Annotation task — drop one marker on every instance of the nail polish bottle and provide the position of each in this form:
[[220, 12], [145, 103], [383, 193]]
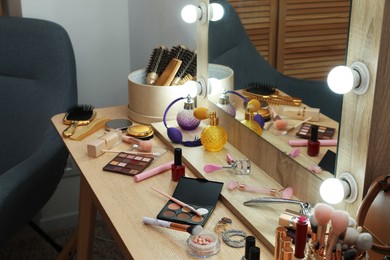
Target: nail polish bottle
[[313, 145], [177, 168], [250, 241]]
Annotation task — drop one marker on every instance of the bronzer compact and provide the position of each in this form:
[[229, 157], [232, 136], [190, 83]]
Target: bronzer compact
[[201, 194]]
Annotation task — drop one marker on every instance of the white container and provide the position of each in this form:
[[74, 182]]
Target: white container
[[147, 103]]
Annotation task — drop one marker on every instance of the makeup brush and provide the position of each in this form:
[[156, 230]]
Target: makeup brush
[[157, 63], [322, 214], [77, 115], [350, 235], [314, 226], [194, 230], [145, 146], [363, 243], [179, 202], [339, 223], [279, 123]]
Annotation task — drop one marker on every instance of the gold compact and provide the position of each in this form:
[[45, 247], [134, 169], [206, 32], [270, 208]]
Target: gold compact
[[140, 131], [265, 113]]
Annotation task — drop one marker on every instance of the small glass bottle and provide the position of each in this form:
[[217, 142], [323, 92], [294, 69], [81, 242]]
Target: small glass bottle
[[177, 168], [313, 145], [251, 123], [214, 136], [185, 117], [225, 105]]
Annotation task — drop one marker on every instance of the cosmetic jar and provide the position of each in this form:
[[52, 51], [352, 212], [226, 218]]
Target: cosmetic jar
[[198, 249]]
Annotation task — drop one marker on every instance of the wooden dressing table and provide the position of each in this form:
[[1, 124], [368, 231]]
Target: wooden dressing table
[[122, 203]]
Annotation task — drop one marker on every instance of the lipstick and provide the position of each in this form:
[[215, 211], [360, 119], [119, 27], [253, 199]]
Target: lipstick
[[301, 237], [177, 168]]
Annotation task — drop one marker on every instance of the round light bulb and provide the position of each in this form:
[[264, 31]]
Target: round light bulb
[[215, 86], [341, 79], [192, 88], [332, 191], [216, 12], [189, 13]]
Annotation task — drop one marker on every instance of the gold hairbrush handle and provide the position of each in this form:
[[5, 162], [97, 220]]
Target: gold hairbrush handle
[[69, 131]]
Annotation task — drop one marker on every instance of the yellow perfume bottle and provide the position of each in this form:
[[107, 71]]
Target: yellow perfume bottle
[[214, 136], [251, 123]]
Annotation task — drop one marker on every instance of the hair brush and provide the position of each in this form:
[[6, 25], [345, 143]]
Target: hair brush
[[269, 94], [187, 67], [77, 115], [157, 64]]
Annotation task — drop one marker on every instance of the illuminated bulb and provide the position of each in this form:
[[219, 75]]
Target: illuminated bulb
[[343, 79], [332, 191], [335, 190], [215, 86], [216, 12], [190, 13], [193, 88]]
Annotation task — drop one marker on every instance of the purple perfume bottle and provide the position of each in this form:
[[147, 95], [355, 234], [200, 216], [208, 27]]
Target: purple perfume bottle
[[185, 117]]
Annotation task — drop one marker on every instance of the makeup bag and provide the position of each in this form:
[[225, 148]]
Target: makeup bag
[[374, 213]]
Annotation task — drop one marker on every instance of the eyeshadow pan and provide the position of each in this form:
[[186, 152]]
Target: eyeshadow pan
[[174, 206], [169, 213], [197, 218], [128, 164], [183, 215]]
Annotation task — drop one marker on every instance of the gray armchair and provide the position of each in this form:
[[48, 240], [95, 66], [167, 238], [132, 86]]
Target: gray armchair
[[37, 81], [230, 45]]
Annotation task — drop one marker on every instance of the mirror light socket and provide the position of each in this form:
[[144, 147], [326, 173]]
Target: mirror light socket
[[334, 190]]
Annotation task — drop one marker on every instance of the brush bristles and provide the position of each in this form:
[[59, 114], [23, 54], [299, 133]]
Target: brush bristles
[[80, 112], [187, 65], [157, 62], [195, 230], [260, 88]]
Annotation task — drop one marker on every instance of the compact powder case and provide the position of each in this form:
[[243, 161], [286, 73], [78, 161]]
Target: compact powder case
[[118, 124], [140, 131], [198, 193]]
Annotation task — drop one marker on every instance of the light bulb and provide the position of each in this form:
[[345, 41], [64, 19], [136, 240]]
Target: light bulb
[[215, 86], [343, 79], [332, 191], [190, 13], [216, 12], [192, 87]]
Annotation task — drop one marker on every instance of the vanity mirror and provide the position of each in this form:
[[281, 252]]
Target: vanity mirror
[[230, 45]]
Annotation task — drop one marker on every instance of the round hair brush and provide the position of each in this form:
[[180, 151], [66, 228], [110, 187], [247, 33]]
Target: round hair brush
[[188, 66], [157, 64]]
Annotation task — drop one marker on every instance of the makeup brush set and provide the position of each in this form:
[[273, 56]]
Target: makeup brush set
[[171, 67]]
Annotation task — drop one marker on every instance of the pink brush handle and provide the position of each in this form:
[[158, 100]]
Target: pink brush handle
[[212, 167], [298, 143], [146, 174]]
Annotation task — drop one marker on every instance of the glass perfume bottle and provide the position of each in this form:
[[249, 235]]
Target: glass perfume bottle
[[224, 104], [185, 117], [214, 136], [251, 123]]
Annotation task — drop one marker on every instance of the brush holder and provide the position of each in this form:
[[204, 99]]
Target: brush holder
[[147, 103]]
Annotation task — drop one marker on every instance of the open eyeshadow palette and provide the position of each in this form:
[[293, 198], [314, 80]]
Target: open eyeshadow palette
[[198, 193], [129, 164], [324, 132]]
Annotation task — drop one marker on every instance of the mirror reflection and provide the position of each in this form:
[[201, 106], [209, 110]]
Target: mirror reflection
[[305, 42]]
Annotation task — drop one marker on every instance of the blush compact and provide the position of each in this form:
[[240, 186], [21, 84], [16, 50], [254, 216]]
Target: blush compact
[[198, 193]]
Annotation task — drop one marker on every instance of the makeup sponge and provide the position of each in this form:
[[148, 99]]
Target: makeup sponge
[[280, 124]]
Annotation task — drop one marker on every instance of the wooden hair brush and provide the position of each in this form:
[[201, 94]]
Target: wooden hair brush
[[78, 115]]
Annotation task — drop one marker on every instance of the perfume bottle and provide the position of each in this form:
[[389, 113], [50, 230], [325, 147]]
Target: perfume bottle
[[224, 104], [251, 123], [185, 117], [214, 136], [313, 145]]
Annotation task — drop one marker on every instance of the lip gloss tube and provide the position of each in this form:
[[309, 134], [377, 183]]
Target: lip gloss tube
[[159, 169]]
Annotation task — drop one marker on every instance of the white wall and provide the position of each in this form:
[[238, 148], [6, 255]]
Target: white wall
[[113, 38], [110, 38]]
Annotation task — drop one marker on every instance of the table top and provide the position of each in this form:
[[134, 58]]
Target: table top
[[122, 202]]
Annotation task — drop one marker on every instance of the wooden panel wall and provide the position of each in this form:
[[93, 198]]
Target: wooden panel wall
[[312, 36], [259, 18], [300, 38]]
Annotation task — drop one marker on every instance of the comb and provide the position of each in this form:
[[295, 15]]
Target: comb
[[86, 131], [269, 94]]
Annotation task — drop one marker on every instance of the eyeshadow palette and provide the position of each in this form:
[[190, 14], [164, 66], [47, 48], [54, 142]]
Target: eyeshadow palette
[[324, 132], [198, 193], [128, 164]]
